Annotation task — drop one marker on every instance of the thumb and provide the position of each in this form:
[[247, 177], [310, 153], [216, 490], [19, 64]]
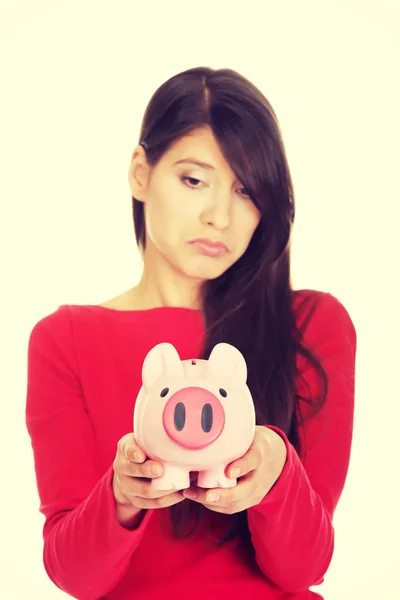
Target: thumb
[[130, 449]]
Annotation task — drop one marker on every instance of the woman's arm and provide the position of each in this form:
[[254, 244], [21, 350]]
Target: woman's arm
[[88, 539], [291, 528]]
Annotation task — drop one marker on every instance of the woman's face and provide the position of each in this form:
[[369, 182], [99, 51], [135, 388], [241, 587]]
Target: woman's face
[[185, 201]]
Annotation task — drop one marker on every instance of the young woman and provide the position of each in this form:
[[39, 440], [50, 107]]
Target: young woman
[[213, 209]]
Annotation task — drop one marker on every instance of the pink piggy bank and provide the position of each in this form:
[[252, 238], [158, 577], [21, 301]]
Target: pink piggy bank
[[194, 415]]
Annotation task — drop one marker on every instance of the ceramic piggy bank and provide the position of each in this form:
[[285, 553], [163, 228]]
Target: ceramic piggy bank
[[194, 415]]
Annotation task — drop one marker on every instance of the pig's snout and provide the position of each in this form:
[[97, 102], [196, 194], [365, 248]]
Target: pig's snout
[[193, 418]]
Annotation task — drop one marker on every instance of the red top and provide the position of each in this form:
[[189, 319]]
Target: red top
[[84, 372]]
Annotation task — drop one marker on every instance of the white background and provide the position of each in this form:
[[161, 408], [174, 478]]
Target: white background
[[75, 80]]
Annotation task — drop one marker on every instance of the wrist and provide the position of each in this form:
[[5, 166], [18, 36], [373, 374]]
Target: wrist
[[129, 516]]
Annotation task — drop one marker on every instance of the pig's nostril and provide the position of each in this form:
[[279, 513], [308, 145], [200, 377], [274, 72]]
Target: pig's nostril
[[193, 418], [179, 416], [207, 418]]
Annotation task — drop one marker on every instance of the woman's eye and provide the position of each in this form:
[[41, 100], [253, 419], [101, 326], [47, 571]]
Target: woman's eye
[[244, 192], [191, 179]]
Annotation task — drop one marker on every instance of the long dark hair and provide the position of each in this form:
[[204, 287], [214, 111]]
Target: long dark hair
[[250, 305]]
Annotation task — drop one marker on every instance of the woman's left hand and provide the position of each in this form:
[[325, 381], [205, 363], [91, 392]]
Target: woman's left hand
[[259, 469]]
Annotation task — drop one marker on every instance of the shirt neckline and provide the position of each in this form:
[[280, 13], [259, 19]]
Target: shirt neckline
[[154, 309]]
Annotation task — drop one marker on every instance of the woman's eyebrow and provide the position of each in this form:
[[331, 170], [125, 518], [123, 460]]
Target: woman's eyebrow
[[194, 161]]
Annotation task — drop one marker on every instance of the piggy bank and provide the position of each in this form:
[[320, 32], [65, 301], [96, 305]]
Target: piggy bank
[[194, 415]]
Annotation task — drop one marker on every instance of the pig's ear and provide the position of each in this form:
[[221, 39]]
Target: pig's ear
[[226, 361], [163, 359]]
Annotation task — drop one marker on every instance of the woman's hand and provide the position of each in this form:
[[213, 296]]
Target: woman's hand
[[258, 470], [131, 482]]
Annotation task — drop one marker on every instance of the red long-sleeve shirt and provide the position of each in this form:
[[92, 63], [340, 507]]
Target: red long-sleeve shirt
[[84, 372]]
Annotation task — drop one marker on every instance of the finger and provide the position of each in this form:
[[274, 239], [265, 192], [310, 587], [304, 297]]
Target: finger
[[134, 459], [247, 463], [162, 502], [135, 486], [223, 497], [225, 504], [130, 450], [150, 469]]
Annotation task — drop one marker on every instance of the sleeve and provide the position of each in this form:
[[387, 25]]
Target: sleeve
[[291, 528], [86, 551]]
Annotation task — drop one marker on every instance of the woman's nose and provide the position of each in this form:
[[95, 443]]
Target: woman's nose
[[218, 212]]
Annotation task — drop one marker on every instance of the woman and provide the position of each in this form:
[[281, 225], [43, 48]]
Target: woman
[[213, 208]]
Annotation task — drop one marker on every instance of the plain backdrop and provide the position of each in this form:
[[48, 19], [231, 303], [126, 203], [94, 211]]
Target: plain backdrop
[[75, 79]]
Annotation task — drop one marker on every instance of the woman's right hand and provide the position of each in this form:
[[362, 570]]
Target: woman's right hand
[[132, 482]]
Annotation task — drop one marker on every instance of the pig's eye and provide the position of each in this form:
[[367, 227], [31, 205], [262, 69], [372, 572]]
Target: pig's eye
[[164, 392], [223, 392]]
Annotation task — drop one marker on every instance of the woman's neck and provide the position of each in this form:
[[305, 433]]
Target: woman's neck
[[156, 289]]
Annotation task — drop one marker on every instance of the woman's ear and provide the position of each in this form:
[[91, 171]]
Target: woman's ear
[[138, 175]]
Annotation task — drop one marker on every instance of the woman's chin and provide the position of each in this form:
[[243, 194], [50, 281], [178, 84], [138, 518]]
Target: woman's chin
[[205, 273], [204, 268]]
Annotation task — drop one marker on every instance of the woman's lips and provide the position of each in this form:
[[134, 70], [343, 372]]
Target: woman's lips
[[209, 247]]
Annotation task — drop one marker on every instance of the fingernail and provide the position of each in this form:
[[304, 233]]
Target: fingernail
[[234, 473], [136, 456], [213, 497], [155, 469], [190, 494]]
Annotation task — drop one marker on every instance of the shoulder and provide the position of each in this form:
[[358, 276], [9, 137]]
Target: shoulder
[[54, 329], [58, 320], [320, 314], [323, 304], [51, 347]]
